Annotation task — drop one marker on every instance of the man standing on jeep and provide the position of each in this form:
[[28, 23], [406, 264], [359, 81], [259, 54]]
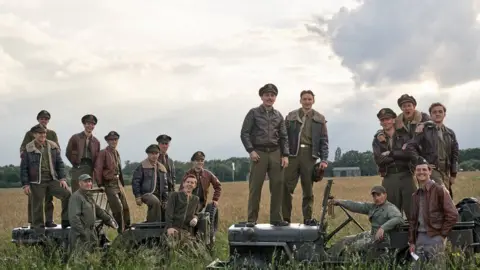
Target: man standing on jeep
[[439, 146], [264, 136], [307, 141], [82, 150], [150, 184], [43, 117], [42, 170], [163, 141], [393, 162], [433, 217], [410, 119], [108, 172], [383, 215], [205, 178]]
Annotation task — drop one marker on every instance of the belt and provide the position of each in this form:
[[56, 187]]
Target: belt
[[397, 169], [305, 145], [267, 149]]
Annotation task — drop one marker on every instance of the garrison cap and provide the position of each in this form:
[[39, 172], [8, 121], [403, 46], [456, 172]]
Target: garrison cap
[[163, 138], [38, 129], [89, 118], [198, 155], [386, 113], [112, 134], [84, 177], [406, 98], [378, 189], [421, 161], [152, 148], [43, 113], [269, 87]]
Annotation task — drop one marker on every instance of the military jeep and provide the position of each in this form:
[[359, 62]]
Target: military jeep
[[264, 244], [57, 237]]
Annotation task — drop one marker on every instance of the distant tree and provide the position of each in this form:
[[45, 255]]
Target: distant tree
[[338, 154]]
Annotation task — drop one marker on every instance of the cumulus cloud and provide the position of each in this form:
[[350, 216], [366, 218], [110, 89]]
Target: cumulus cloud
[[404, 41]]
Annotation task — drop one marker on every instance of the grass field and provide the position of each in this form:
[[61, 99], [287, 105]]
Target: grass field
[[233, 208]]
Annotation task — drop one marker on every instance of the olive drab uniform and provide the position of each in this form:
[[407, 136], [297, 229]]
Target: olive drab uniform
[[109, 175], [263, 131], [386, 216], [308, 141], [49, 207], [394, 167], [181, 209], [82, 213]]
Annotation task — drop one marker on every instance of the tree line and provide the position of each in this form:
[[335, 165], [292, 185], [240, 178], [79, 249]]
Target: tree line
[[469, 160]]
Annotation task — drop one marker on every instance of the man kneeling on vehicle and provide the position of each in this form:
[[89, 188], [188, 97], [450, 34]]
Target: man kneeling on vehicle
[[182, 207], [383, 215], [150, 185], [82, 213]]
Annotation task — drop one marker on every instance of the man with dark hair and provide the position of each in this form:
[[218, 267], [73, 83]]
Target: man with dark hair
[[43, 118], [264, 137], [393, 162], [163, 141], [307, 141], [42, 171], [82, 150], [108, 173], [150, 184], [432, 219], [205, 178], [439, 146]]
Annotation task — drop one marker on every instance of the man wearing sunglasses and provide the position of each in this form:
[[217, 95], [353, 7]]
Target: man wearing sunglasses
[[383, 216]]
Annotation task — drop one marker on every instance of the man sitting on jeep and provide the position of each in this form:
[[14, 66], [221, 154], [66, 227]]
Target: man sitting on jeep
[[383, 215], [182, 207]]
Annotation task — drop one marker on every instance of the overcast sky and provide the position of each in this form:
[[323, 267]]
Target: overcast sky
[[192, 69]]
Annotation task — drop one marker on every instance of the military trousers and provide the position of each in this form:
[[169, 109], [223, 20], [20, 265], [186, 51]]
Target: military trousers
[[400, 186], [75, 172], [48, 208], [118, 203], [269, 163], [299, 166], [154, 212], [38, 193], [442, 178], [431, 251]]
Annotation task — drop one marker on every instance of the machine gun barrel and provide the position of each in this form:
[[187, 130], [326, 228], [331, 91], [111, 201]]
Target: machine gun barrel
[[326, 196]]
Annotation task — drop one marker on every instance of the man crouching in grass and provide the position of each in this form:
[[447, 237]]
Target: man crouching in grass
[[383, 215], [182, 207]]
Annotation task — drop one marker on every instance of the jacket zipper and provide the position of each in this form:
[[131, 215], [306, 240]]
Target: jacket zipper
[[186, 209]]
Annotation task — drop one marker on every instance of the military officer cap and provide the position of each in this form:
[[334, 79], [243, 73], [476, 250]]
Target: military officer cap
[[163, 138], [386, 113], [152, 148], [197, 156], [84, 177], [378, 189], [112, 135], [43, 113], [268, 88], [38, 129], [89, 118], [406, 98]]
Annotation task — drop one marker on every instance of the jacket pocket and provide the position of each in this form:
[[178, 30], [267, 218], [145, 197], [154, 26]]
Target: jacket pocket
[[436, 220]]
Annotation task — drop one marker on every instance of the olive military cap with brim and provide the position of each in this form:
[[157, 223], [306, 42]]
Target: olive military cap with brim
[[405, 98], [198, 156], [38, 129], [378, 189], [43, 113], [386, 113], [112, 135], [89, 118], [268, 88], [84, 177], [152, 148], [163, 138]]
